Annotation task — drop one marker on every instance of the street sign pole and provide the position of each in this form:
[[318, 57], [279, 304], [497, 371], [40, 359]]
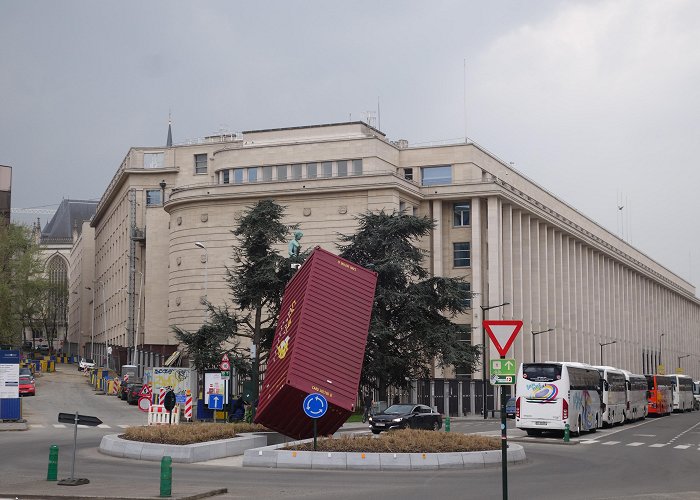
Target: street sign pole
[[75, 445], [504, 444]]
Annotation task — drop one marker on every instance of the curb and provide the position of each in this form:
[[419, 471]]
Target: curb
[[206, 494], [276, 457], [114, 446]]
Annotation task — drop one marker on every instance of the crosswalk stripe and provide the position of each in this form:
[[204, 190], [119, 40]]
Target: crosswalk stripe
[[635, 444], [589, 441], [104, 426], [59, 426], [609, 443], [682, 446], [38, 426], [124, 426], [657, 445]]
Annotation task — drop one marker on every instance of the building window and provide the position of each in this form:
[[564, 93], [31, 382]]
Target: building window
[[408, 174], [465, 294], [296, 171], [462, 254], [225, 177], [464, 334], [253, 174], [357, 167], [281, 172], [200, 163], [342, 168], [462, 213], [238, 176], [153, 198], [311, 170], [402, 207], [326, 169], [267, 173], [153, 160], [436, 175]]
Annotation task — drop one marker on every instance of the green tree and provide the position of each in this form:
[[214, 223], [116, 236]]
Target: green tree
[[21, 281], [412, 317], [258, 277]]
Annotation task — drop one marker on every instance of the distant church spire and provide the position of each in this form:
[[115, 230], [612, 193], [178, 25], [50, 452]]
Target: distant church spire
[[169, 143]]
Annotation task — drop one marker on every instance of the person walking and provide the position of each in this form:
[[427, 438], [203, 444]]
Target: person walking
[[367, 403]]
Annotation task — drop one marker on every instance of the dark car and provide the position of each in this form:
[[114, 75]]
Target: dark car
[[405, 416], [510, 408], [133, 389]]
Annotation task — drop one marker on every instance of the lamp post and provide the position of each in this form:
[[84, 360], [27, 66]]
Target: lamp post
[[92, 325], [134, 359], [104, 319], [199, 244], [483, 350], [679, 359], [602, 344], [659, 363], [533, 340]]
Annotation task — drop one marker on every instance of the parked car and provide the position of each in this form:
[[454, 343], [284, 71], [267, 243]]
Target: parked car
[[86, 364], [126, 387], [133, 389], [510, 408], [402, 416], [25, 371], [27, 386]]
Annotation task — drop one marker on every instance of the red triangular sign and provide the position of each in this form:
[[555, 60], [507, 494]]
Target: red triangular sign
[[502, 333], [145, 391]]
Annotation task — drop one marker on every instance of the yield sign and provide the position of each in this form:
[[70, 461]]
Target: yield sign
[[224, 365], [502, 333]]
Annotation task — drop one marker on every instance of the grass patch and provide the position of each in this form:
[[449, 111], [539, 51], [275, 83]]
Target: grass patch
[[355, 417], [405, 441], [186, 433]]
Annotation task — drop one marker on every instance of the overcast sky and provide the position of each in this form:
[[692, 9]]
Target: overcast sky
[[596, 101]]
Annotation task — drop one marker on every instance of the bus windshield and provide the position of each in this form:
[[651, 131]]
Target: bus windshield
[[540, 372]]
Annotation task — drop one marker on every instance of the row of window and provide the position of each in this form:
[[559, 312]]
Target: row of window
[[431, 176], [294, 171]]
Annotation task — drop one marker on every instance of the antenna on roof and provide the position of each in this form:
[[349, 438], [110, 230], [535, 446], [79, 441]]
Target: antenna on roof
[[169, 141], [379, 116]]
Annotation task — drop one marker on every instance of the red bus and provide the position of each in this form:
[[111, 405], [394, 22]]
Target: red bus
[[659, 394]]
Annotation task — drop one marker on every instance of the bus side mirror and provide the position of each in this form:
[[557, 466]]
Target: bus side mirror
[[606, 386]]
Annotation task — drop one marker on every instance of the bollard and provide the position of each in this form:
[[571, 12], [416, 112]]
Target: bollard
[[52, 474], [166, 476], [567, 434], [447, 423]]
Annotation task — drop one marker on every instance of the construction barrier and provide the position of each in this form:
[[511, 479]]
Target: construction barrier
[[42, 365], [188, 405], [158, 415]]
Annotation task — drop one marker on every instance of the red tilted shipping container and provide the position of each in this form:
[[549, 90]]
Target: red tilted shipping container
[[319, 345]]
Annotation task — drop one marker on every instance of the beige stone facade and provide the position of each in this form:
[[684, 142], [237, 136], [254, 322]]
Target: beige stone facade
[[510, 239]]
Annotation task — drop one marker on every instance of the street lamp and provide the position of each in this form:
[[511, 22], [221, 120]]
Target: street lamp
[[92, 326], [199, 244], [660, 363], [601, 348], [681, 357], [533, 340], [483, 350]]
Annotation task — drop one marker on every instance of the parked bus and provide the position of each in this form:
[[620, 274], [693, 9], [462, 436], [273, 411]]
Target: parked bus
[[660, 397], [636, 400], [683, 399], [696, 394], [552, 394], [614, 395]]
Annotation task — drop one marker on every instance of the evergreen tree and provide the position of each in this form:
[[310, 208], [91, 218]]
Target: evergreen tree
[[411, 323]]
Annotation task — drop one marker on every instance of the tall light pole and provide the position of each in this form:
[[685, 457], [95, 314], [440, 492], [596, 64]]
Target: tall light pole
[[483, 351], [138, 319], [533, 340], [601, 348], [92, 326], [104, 318], [660, 363], [681, 357], [199, 244]]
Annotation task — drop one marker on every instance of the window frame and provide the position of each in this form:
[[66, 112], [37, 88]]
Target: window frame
[[461, 214], [438, 181], [457, 261], [160, 198], [198, 164]]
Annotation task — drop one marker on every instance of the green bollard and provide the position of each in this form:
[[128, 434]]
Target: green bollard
[[447, 423], [166, 476], [567, 434], [52, 474]]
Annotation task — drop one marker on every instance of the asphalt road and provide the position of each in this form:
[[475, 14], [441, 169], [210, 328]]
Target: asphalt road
[[653, 459]]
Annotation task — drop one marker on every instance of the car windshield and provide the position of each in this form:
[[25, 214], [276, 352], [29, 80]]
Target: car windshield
[[399, 409], [25, 380], [88, 360]]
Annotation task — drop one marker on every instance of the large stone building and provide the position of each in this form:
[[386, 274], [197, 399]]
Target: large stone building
[[512, 240]]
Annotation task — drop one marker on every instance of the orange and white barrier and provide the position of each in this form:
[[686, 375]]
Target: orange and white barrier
[[188, 405], [158, 415]]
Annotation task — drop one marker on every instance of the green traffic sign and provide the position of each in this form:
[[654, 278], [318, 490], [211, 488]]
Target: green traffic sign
[[502, 379], [503, 367], [225, 374]]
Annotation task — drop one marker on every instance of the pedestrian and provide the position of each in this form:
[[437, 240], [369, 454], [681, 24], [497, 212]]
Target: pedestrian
[[237, 410], [396, 400], [367, 403]]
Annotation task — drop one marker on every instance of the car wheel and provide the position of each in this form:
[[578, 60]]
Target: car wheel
[[375, 431], [436, 425]]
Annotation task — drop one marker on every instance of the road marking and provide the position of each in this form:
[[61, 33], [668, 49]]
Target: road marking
[[589, 441], [59, 426], [81, 426], [124, 426], [682, 446], [610, 443], [635, 444], [38, 426], [657, 445], [645, 435], [104, 426]]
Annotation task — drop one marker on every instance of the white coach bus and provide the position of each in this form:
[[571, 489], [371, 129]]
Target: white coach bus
[[552, 394], [614, 395], [637, 403], [683, 399]]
